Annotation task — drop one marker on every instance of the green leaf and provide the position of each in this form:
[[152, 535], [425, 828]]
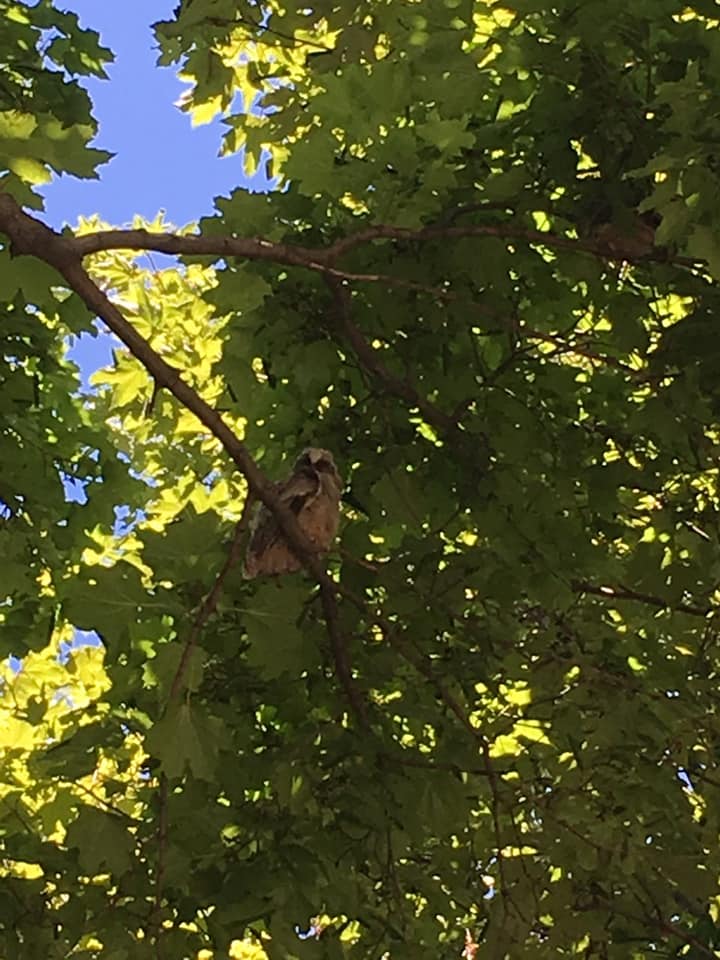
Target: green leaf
[[102, 840], [183, 740], [277, 643], [704, 245]]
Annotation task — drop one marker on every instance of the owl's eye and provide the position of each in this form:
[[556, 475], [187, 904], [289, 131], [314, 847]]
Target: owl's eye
[[324, 466]]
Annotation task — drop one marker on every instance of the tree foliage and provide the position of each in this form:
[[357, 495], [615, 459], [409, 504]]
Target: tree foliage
[[487, 283]]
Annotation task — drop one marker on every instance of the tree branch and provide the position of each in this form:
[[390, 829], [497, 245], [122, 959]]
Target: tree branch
[[322, 259], [244, 248], [370, 359], [32, 237], [423, 667], [209, 604], [162, 833], [206, 610], [338, 647], [623, 593], [500, 231]]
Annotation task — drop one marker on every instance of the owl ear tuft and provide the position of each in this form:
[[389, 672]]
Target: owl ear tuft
[[320, 459]]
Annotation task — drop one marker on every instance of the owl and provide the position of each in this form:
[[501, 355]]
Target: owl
[[312, 492]]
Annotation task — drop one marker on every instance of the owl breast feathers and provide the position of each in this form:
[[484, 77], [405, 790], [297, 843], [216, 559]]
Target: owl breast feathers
[[312, 492]]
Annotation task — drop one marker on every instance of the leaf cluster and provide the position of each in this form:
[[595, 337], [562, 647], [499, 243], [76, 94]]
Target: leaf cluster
[[516, 371]]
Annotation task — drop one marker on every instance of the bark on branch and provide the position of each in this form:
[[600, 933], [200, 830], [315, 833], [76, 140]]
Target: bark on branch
[[319, 259], [31, 237]]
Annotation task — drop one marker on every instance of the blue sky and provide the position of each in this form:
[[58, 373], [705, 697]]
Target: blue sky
[[161, 162]]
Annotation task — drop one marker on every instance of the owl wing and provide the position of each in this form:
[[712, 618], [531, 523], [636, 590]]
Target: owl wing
[[268, 552], [301, 487]]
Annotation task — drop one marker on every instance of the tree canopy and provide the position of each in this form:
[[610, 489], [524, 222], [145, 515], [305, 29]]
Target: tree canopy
[[487, 722]]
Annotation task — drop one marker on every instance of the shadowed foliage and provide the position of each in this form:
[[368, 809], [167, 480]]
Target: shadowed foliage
[[487, 723]]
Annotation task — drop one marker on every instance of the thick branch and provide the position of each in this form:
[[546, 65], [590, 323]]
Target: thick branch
[[30, 236], [323, 259], [320, 259], [245, 248]]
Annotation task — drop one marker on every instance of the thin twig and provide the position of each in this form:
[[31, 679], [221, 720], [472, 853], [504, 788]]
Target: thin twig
[[370, 359], [623, 593], [500, 231], [105, 803], [423, 666], [207, 608], [401, 758], [359, 561], [209, 604], [244, 20], [161, 841], [664, 926], [338, 647]]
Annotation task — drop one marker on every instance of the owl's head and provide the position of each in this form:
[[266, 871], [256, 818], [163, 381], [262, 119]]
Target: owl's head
[[320, 461]]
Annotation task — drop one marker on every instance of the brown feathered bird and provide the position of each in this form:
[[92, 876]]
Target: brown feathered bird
[[312, 492]]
